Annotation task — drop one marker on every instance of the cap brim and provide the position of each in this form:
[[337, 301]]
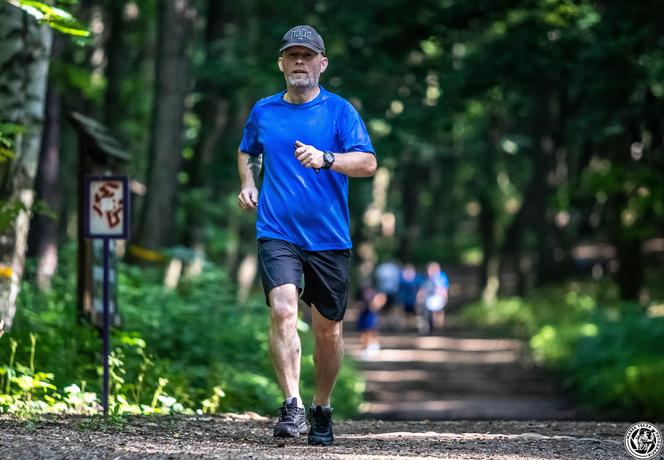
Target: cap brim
[[306, 45]]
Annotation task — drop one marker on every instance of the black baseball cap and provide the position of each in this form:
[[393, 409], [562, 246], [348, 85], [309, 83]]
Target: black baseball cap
[[303, 36]]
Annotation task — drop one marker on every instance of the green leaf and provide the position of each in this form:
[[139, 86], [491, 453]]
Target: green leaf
[[10, 128], [56, 18], [77, 32], [42, 208], [9, 210], [5, 154]]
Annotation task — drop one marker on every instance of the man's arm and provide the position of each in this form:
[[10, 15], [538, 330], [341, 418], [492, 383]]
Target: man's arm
[[352, 164], [249, 168], [355, 164]]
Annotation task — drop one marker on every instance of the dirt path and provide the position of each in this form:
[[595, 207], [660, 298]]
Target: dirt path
[[250, 437], [441, 381], [430, 379], [457, 375]]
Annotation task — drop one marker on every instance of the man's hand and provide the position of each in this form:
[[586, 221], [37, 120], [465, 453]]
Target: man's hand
[[248, 198], [308, 155]]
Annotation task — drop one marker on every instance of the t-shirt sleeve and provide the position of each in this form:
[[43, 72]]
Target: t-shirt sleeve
[[353, 133], [446, 281], [250, 143]]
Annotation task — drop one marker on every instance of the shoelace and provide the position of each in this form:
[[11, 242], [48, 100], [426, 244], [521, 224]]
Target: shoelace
[[288, 413], [321, 418]]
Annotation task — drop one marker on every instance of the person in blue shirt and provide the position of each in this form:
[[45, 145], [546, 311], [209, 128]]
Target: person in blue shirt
[[409, 285], [387, 276], [433, 296], [370, 302], [309, 141]]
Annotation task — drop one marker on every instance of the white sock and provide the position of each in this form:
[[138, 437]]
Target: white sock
[[314, 405], [298, 400]]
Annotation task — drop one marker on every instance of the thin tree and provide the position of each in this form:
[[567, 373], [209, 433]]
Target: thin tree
[[157, 224], [24, 51]]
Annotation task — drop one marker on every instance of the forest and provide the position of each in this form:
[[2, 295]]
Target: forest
[[521, 138]]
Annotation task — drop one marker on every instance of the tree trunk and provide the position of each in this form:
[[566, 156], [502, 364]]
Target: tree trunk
[[410, 188], [630, 275], [43, 236], [157, 224], [24, 52], [115, 49], [630, 271], [535, 214], [490, 232], [627, 241], [512, 253], [489, 279], [212, 111], [542, 186]]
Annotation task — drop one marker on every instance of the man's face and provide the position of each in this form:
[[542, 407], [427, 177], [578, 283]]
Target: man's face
[[301, 66]]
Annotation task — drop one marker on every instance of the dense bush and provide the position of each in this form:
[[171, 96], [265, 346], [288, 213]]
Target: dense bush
[[608, 353], [187, 349]]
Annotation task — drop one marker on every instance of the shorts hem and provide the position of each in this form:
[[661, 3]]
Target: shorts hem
[[267, 291], [336, 246], [312, 304]]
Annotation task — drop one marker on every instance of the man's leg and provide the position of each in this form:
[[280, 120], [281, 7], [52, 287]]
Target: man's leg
[[284, 343], [328, 355], [326, 287], [285, 351]]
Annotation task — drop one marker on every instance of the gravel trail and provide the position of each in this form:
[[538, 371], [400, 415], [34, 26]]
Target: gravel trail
[[249, 436]]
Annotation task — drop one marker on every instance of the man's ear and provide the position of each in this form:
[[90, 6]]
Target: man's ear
[[280, 63], [323, 64]]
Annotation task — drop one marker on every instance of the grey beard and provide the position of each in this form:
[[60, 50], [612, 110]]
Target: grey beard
[[302, 83]]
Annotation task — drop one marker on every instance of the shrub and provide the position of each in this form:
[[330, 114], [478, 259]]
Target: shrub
[[179, 350], [607, 352]]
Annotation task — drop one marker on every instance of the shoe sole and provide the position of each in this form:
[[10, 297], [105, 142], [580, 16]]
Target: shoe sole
[[317, 441], [283, 434], [320, 443], [288, 434]]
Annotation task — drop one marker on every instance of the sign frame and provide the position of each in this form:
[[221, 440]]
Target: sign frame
[[87, 215]]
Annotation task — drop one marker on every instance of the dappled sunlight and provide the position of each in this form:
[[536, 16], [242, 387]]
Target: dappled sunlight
[[443, 349], [456, 437], [433, 356], [475, 407], [386, 376], [455, 377], [453, 343]]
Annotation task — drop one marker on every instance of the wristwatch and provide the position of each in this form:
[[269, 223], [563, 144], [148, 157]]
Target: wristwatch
[[328, 159]]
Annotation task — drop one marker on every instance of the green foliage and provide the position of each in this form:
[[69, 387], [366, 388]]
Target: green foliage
[[9, 211], [6, 142], [182, 350], [608, 353], [56, 18], [626, 351]]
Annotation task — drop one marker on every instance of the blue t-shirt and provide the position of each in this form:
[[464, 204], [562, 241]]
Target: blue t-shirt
[[296, 204], [408, 289], [432, 283]]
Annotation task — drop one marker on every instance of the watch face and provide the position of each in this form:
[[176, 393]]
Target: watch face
[[328, 158]]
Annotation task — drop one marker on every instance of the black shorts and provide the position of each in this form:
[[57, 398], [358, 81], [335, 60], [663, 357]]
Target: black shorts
[[326, 274]]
